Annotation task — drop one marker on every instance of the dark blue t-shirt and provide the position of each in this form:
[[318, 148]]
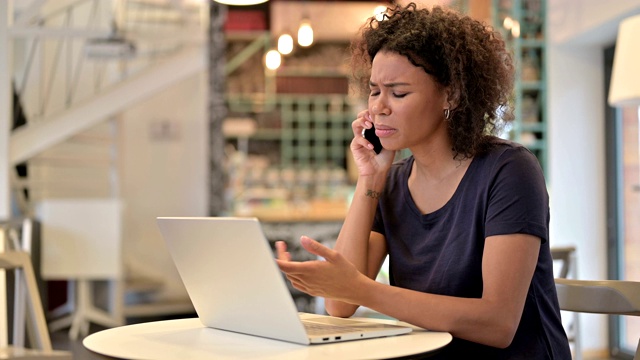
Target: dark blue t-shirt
[[502, 192]]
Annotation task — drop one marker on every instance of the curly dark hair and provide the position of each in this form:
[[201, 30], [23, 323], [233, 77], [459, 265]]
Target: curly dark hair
[[461, 54]]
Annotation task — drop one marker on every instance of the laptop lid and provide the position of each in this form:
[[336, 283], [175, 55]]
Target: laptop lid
[[231, 276], [228, 269]]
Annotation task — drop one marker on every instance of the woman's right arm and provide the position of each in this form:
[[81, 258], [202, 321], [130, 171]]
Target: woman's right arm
[[356, 242]]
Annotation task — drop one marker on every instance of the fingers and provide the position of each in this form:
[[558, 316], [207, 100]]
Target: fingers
[[295, 267], [316, 248], [359, 142], [302, 276], [363, 121], [288, 267], [301, 285], [358, 126], [281, 251], [364, 114]]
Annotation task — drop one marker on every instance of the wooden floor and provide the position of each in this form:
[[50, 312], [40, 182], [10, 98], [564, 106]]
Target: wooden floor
[[60, 341]]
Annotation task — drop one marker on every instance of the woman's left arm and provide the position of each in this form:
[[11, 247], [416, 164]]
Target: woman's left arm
[[508, 265]]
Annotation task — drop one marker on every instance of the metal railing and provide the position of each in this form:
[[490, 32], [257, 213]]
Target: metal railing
[[68, 54], [69, 51]]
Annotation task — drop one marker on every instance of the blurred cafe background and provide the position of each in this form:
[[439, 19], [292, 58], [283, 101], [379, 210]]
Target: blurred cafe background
[[115, 112]]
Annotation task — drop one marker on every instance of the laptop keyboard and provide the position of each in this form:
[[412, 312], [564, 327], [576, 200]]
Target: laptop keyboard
[[314, 328]]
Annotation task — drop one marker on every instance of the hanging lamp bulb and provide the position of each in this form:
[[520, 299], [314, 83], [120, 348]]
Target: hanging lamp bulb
[[285, 44], [273, 59], [240, 2], [379, 12], [305, 33]]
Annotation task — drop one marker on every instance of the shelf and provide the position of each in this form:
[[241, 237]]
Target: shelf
[[304, 130], [532, 43], [533, 127], [530, 89], [267, 134], [532, 85]]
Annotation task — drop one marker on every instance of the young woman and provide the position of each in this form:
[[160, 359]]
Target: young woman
[[464, 220]]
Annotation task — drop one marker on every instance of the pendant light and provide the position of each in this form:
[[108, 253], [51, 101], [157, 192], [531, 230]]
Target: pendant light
[[305, 33], [240, 2], [625, 77], [624, 91], [272, 59], [285, 44]]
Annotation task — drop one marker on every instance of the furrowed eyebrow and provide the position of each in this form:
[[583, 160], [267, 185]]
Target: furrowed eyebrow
[[389, 85]]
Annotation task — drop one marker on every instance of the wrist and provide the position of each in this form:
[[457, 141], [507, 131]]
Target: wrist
[[371, 186], [367, 290], [372, 194]]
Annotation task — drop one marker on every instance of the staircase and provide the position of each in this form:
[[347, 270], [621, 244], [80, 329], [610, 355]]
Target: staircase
[[78, 76], [80, 64]]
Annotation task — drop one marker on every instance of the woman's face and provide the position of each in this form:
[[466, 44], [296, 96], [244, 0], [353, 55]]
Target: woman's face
[[405, 103]]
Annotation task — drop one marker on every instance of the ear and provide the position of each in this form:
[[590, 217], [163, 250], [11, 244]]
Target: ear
[[452, 98]]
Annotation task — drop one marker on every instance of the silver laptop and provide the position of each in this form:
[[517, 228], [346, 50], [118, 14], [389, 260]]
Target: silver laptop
[[231, 276]]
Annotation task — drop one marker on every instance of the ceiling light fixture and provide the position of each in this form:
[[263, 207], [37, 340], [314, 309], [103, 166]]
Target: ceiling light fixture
[[305, 33], [285, 44], [240, 2], [625, 77], [273, 59], [379, 12], [115, 46], [624, 91]]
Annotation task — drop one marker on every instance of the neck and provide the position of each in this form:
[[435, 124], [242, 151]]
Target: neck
[[437, 166]]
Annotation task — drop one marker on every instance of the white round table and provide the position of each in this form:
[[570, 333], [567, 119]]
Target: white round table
[[189, 339]]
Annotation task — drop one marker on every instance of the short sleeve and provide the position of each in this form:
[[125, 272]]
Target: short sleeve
[[518, 200]]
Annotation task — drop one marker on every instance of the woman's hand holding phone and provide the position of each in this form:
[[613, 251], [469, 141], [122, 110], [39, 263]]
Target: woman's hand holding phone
[[369, 155]]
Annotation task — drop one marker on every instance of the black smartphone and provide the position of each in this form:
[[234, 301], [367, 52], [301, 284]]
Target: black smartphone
[[370, 134]]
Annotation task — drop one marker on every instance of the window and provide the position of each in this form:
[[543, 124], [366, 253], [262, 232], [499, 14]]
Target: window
[[623, 192]]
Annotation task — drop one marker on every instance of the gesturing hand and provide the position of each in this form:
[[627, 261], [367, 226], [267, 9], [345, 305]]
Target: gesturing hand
[[334, 277]]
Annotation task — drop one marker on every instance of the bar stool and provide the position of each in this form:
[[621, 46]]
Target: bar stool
[[20, 262], [614, 297], [566, 257]]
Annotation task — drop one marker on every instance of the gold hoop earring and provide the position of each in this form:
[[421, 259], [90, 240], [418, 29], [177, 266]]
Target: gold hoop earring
[[447, 114]]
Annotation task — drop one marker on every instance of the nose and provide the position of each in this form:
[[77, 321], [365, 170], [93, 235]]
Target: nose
[[379, 106]]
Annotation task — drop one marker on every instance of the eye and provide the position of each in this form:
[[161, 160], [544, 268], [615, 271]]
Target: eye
[[374, 92], [400, 95]]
